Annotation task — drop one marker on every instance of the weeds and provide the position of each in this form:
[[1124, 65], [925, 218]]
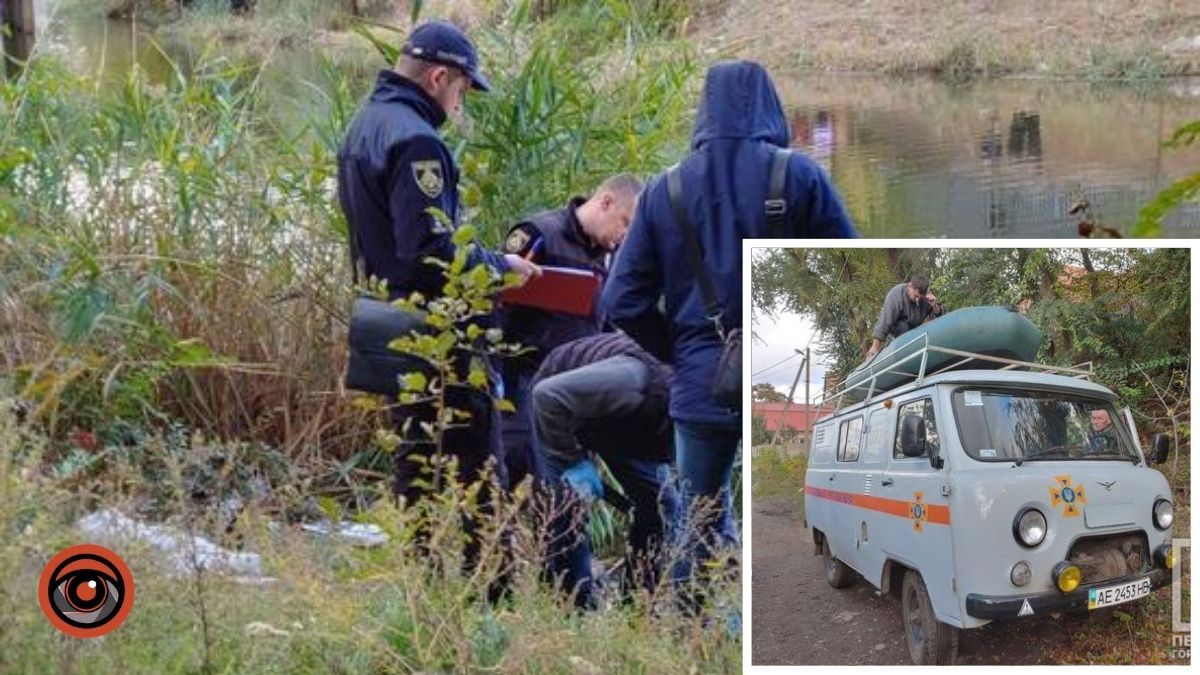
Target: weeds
[[331, 606], [778, 473]]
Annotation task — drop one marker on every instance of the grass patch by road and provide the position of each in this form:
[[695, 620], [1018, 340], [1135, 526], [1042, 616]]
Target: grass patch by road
[[777, 473]]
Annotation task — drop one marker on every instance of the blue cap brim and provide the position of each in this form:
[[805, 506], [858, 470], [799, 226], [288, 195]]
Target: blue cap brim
[[478, 81]]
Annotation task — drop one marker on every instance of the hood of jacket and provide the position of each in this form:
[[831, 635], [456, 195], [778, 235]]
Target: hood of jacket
[[740, 102]]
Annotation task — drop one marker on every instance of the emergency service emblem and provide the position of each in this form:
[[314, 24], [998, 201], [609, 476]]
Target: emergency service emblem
[[428, 175], [918, 510], [1072, 497]]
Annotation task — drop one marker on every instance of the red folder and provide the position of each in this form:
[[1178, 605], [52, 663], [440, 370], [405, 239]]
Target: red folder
[[559, 289]]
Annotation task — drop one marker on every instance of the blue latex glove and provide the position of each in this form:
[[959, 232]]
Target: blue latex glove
[[584, 479]]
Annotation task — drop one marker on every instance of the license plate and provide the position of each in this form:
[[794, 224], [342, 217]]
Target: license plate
[[1115, 595]]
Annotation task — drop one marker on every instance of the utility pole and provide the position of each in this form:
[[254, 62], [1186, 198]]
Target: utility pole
[[788, 404], [807, 401]]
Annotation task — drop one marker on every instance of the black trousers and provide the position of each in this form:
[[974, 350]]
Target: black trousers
[[476, 446]]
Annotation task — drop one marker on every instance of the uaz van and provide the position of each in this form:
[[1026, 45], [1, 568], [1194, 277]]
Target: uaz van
[[986, 495]]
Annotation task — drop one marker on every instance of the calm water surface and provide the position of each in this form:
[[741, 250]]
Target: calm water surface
[[911, 157], [1003, 158]]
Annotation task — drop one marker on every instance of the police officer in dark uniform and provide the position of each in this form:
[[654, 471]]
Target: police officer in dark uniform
[[580, 235], [392, 168]]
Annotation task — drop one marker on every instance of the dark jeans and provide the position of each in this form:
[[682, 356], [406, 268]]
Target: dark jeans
[[900, 328], [603, 393], [704, 456]]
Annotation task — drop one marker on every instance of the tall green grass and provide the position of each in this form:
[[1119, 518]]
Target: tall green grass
[[173, 296], [174, 253]]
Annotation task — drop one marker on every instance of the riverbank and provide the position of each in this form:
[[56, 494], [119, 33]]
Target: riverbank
[[1088, 39], [1133, 40]]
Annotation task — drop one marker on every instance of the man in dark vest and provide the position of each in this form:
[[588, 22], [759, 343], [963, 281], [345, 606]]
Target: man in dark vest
[[580, 235], [393, 168], [603, 396]]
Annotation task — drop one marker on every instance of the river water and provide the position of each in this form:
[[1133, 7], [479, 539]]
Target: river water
[[911, 157], [915, 157]]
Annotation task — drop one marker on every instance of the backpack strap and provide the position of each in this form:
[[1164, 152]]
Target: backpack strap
[[776, 205], [691, 246]]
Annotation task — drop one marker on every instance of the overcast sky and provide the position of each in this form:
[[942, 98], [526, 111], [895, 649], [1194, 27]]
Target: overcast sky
[[777, 340]]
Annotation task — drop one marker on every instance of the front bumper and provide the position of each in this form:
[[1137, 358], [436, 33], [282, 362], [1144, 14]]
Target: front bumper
[[1002, 607]]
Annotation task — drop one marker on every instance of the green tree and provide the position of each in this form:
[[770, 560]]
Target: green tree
[[765, 393], [840, 290], [1126, 311]]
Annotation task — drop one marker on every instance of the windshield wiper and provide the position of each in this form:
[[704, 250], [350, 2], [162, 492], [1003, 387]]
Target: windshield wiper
[[1048, 453]]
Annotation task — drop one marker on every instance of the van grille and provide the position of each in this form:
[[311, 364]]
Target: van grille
[[1110, 557]]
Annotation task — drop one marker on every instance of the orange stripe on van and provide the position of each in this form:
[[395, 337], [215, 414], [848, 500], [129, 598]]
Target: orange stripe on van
[[937, 513]]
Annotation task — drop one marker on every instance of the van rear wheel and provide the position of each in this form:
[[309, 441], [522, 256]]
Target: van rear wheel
[[930, 642], [836, 572]]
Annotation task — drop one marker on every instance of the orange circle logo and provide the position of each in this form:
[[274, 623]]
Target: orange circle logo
[[86, 591]]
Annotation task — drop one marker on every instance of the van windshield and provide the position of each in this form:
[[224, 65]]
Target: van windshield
[[997, 425]]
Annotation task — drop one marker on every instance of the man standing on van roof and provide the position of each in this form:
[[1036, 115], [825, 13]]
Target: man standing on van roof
[[908, 305], [725, 185]]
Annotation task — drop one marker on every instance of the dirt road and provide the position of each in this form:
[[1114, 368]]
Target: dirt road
[[798, 619]]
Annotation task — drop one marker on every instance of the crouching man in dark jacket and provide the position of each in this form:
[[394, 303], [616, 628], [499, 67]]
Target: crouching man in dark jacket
[[603, 396]]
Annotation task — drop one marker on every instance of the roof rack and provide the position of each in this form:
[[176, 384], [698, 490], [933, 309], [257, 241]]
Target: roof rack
[[1083, 371]]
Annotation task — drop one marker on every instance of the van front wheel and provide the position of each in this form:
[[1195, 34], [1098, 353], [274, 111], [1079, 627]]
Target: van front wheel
[[836, 572], [930, 642]]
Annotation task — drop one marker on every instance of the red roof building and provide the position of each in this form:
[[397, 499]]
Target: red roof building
[[799, 415]]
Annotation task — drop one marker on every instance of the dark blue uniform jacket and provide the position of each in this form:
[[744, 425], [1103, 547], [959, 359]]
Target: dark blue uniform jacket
[[739, 125], [392, 167], [553, 238]]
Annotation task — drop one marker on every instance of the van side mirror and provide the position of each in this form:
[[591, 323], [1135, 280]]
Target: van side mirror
[[912, 435], [1160, 449]]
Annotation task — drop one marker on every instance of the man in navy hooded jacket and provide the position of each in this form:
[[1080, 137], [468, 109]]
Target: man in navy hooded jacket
[[739, 126]]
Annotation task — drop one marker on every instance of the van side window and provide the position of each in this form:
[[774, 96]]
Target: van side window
[[849, 438], [924, 408]]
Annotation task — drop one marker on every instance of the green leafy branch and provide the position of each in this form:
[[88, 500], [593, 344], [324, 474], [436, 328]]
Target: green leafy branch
[[1149, 222]]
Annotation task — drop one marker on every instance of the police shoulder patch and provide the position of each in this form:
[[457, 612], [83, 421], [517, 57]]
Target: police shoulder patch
[[518, 239], [428, 175]]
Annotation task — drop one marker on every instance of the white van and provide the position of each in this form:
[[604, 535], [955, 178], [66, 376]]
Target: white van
[[984, 495]]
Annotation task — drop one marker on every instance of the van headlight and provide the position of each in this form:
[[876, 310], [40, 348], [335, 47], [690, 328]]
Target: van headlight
[[1029, 527], [1164, 514], [1066, 576], [1165, 556]]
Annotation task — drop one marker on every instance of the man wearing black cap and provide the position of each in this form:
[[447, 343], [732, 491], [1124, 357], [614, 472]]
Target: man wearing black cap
[[393, 168]]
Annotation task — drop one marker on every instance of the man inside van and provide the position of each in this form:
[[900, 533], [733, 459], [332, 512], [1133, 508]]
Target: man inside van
[[908, 305], [1103, 438]]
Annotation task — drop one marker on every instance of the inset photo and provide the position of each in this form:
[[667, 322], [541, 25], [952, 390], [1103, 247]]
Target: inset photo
[[970, 455]]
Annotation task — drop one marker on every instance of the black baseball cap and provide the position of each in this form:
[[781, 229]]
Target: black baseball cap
[[443, 42]]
